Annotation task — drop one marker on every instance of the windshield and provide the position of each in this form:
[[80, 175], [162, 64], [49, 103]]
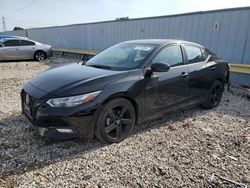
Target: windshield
[[123, 56]]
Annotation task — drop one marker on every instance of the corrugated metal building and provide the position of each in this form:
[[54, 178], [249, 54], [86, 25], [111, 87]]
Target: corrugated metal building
[[226, 32]]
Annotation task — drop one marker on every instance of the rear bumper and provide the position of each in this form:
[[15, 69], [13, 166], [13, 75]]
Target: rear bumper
[[49, 53]]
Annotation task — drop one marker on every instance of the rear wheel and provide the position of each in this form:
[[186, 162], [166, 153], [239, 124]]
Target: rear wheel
[[116, 121], [214, 96], [40, 55]]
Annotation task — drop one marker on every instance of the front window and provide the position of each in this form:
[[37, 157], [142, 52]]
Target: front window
[[123, 56], [12, 43], [171, 55]]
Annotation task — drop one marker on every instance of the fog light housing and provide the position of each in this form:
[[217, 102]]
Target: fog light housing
[[65, 130]]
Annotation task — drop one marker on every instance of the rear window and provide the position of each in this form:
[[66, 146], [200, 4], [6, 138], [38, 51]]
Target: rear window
[[12, 43], [27, 43], [194, 54]]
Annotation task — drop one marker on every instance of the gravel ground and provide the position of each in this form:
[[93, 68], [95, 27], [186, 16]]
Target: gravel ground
[[178, 150]]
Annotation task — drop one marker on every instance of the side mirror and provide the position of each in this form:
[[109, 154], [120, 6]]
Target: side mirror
[[160, 67], [208, 59]]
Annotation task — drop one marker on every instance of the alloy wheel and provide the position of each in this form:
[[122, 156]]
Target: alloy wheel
[[118, 122], [40, 56], [215, 95]]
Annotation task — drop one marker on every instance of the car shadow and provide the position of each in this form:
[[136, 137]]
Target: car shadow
[[23, 150]]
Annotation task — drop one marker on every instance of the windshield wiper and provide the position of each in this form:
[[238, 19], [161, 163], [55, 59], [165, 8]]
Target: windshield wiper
[[100, 66]]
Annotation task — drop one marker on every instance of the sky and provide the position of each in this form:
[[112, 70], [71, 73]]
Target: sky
[[44, 13]]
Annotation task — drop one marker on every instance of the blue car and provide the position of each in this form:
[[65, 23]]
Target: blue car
[[9, 36]]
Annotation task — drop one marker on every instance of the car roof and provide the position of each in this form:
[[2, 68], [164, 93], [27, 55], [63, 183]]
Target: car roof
[[161, 41]]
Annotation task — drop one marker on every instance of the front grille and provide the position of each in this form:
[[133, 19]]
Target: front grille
[[29, 105], [54, 122]]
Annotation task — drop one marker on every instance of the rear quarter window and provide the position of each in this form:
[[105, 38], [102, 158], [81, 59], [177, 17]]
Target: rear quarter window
[[27, 43], [205, 53], [194, 54]]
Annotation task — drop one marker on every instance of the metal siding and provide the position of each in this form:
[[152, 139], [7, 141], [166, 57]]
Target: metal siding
[[188, 28], [245, 79], [194, 29], [177, 28], [168, 26], [201, 29], [165, 28], [234, 44], [216, 35]]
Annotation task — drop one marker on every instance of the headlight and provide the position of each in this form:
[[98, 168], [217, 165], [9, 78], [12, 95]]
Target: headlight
[[73, 101]]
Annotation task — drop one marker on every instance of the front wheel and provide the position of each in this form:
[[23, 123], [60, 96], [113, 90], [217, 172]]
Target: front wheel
[[115, 121], [39, 56], [214, 96]]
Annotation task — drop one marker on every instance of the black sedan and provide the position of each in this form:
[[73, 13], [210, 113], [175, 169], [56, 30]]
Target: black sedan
[[122, 86]]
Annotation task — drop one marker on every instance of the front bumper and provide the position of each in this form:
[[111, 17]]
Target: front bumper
[[59, 123], [51, 132]]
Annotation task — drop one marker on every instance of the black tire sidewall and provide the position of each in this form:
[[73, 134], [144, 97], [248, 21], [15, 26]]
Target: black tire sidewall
[[39, 52], [100, 133], [207, 103]]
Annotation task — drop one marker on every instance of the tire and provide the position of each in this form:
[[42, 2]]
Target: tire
[[214, 96], [115, 121], [39, 56]]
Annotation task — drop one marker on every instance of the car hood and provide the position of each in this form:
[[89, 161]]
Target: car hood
[[74, 79]]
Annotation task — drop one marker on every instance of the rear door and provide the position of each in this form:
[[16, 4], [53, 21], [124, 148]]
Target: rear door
[[27, 49], [167, 90], [10, 50], [201, 73]]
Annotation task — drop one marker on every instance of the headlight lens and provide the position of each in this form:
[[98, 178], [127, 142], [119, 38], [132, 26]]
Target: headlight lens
[[73, 101]]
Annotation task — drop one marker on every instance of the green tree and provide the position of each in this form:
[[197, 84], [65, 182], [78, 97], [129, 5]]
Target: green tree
[[17, 28]]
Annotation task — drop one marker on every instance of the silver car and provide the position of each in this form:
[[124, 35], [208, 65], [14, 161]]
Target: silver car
[[22, 48]]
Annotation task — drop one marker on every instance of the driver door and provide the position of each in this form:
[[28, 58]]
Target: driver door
[[10, 50], [167, 91]]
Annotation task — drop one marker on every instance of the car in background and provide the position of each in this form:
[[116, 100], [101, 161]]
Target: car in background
[[124, 85], [23, 49]]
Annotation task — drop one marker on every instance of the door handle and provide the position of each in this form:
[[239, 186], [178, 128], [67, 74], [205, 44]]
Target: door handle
[[212, 68], [184, 74]]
